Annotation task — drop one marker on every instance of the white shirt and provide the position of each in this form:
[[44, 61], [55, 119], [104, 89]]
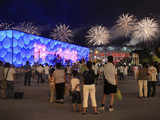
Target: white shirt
[[153, 73], [40, 69], [126, 70], [11, 72], [68, 70], [59, 75], [74, 83], [121, 69], [135, 69], [95, 68], [110, 73], [46, 70], [101, 70]]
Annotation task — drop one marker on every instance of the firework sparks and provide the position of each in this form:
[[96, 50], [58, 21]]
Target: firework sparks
[[125, 25], [28, 28], [62, 33], [147, 29], [98, 35]]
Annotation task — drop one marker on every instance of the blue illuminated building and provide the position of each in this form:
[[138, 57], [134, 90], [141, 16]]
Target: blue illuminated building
[[18, 47]]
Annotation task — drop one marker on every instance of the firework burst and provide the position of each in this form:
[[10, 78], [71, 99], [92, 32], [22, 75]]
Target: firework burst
[[125, 25], [146, 30], [62, 33], [27, 27], [98, 35]]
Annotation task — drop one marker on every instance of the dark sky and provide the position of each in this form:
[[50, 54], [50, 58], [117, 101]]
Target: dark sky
[[75, 13]]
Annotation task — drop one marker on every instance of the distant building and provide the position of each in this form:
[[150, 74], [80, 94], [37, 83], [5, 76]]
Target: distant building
[[18, 47]]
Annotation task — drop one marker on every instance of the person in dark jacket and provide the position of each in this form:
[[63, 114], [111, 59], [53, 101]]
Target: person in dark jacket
[[28, 74], [89, 88]]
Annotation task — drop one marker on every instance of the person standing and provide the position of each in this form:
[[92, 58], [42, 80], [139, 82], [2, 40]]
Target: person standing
[[152, 80], [76, 95], [1, 72], [82, 66], [52, 87], [9, 73], [68, 72], [125, 72], [3, 82], [110, 83], [39, 72], [46, 72], [59, 77], [135, 70], [95, 69], [121, 71], [142, 78], [101, 72], [158, 76], [28, 74], [34, 74], [89, 88]]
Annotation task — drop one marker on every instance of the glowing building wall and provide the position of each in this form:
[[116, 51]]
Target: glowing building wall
[[18, 47]]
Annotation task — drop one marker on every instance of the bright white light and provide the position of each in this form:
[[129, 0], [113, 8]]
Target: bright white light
[[124, 25], [28, 28], [147, 29], [62, 33], [98, 35]]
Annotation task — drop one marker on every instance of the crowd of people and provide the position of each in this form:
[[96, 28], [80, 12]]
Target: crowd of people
[[79, 81], [147, 76], [84, 78]]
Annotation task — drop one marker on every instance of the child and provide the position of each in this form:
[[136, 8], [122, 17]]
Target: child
[[52, 88], [75, 87]]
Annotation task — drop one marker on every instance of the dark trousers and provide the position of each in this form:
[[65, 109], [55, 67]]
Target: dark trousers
[[121, 76], [151, 88], [40, 79], [60, 89], [27, 79], [10, 89], [46, 78]]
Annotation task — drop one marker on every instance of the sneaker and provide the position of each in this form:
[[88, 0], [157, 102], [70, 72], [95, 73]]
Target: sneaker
[[111, 109]]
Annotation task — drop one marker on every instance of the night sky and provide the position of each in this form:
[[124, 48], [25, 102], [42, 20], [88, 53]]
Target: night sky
[[76, 13]]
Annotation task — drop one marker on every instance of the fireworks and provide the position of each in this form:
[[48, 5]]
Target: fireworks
[[62, 33], [98, 35], [125, 25], [146, 30], [28, 28]]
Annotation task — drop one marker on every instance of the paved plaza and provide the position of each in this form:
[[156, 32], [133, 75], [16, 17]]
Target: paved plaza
[[35, 105]]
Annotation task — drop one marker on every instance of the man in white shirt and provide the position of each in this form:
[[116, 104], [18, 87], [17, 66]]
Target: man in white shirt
[[110, 83]]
